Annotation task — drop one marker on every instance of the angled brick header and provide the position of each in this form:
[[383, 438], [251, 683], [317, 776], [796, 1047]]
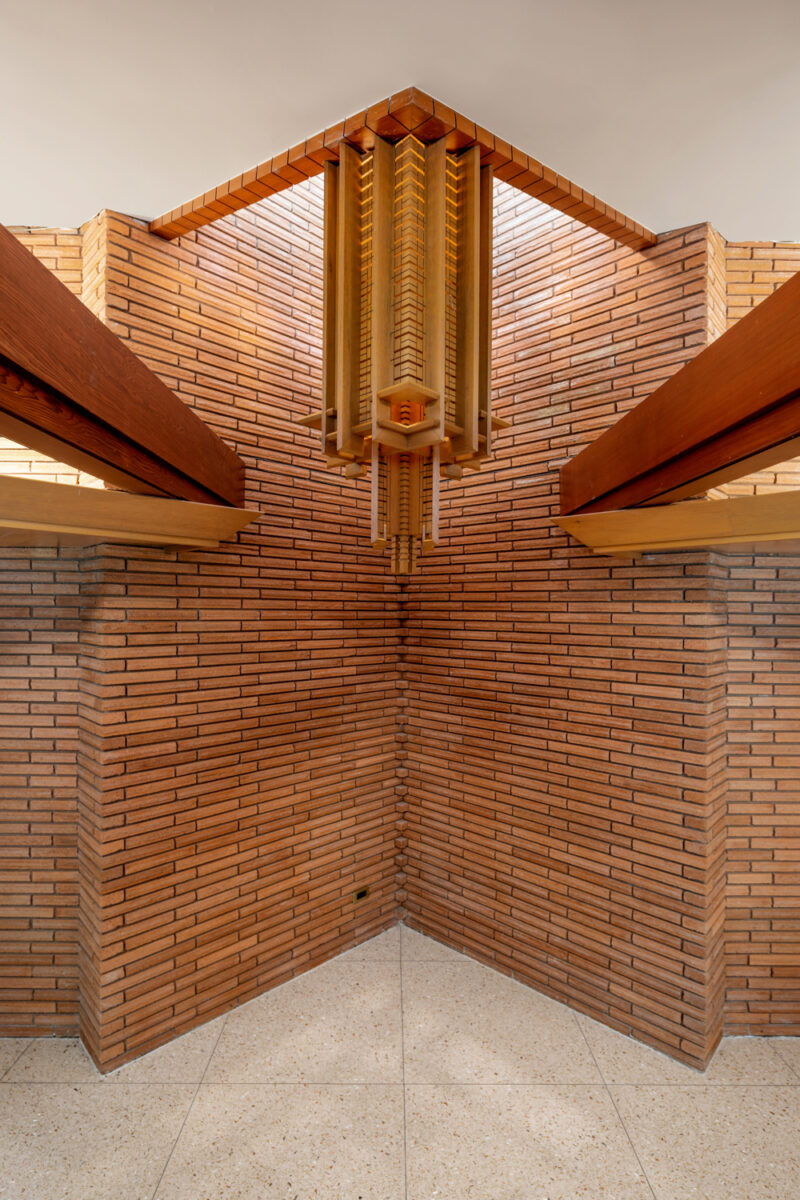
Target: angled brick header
[[409, 111]]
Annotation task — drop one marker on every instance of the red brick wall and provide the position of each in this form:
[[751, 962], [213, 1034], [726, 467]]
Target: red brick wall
[[763, 904], [39, 697], [581, 732], [536, 752], [39, 700], [243, 782], [564, 712], [236, 731], [61, 250], [754, 270]]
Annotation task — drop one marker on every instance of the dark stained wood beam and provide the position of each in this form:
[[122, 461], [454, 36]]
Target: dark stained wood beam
[[409, 111], [70, 388], [43, 420], [733, 409]]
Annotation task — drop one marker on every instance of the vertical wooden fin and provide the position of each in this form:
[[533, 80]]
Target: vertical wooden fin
[[468, 304], [377, 491], [434, 313], [485, 310], [348, 299], [436, 459], [329, 339], [382, 368]]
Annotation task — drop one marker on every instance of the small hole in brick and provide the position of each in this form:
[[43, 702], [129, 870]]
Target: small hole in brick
[[361, 894]]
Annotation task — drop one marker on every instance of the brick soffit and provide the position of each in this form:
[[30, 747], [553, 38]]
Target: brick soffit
[[408, 111]]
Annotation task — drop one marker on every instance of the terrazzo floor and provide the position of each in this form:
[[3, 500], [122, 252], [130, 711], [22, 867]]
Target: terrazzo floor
[[400, 1071]]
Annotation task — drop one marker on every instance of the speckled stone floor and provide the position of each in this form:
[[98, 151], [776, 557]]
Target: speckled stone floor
[[400, 1071]]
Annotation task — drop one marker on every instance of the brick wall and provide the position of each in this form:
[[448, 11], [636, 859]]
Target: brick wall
[[605, 725], [243, 741], [39, 700], [544, 757], [763, 904], [235, 734], [753, 271], [39, 626], [563, 712]]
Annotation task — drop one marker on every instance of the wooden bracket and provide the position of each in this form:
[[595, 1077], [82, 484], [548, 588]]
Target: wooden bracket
[[35, 513], [769, 522]]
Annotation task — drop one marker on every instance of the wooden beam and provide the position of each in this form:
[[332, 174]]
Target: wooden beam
[[769, 522], [69, 379], [408, 111], [34, 513], [734, 407], [43, 420]]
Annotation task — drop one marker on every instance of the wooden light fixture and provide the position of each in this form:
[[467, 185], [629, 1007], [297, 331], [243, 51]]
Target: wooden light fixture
[[407, 329]]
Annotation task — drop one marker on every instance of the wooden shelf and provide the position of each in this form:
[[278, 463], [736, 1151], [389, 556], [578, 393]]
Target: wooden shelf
[[34, 513], [769, 523]]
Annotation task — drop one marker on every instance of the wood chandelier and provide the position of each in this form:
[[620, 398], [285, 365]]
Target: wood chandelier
[[407, 330]]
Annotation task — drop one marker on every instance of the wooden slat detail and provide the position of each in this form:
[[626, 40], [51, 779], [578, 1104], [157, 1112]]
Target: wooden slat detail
[[770, 522], [408, 111], [382, 333], [348, 299], [737, 403], [88, 385], [435, 334], [485, 309], [468, 305], [49, 514], [329, 249]]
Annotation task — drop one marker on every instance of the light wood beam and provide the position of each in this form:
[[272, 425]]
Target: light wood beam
[[769, 522], [35, 513]]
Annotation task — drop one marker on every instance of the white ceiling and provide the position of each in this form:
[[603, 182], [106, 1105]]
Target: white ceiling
[[675, 111]]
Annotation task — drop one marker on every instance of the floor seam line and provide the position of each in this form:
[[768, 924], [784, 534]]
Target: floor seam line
[[454, 1083], [188, 1111], [11, 1066], [645, 1176], [788, 1065]]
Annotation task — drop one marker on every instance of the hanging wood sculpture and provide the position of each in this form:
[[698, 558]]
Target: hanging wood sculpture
[[407, 330]]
